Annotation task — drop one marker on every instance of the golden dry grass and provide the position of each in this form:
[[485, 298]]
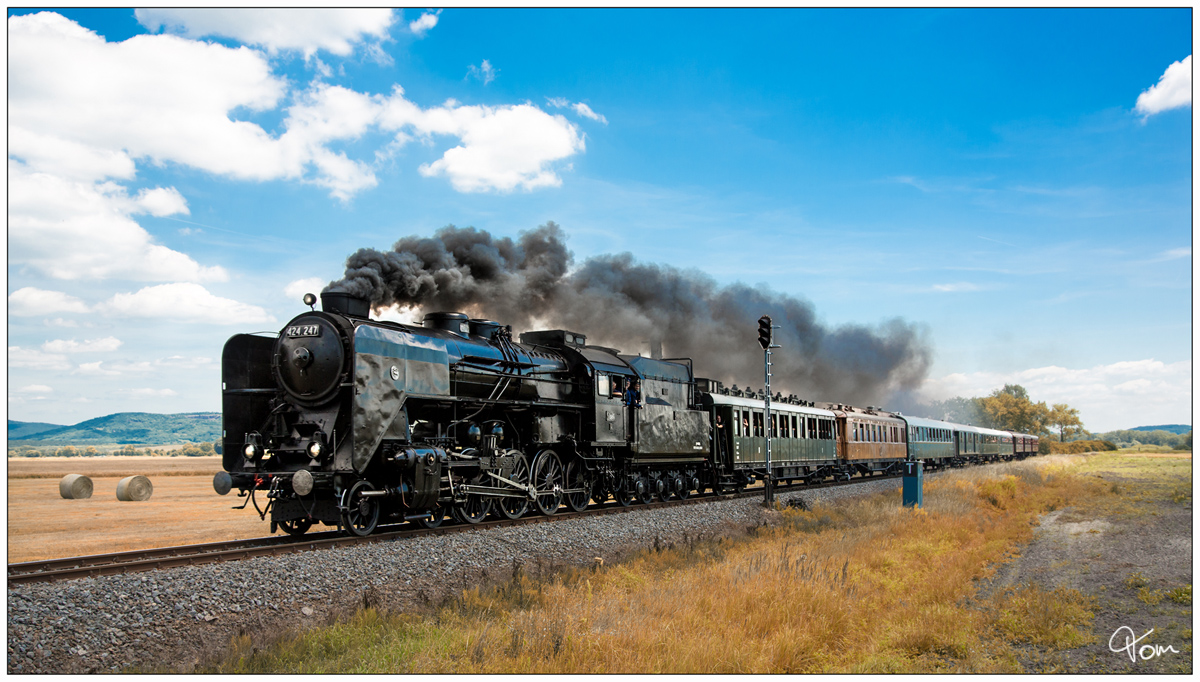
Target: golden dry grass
[[862, 587], [183, 509]]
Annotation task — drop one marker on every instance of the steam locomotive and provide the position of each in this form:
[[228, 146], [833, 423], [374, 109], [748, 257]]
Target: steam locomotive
[[350, 422]]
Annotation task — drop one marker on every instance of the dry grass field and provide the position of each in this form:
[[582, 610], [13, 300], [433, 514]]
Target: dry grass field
[[862, 586], [183, 509]]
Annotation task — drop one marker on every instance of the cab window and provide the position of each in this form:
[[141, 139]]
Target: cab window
[[603, 385]]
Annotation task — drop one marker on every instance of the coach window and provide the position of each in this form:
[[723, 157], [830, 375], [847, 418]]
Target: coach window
[[774, 426], [737, 423], [758, 424], [795, 433]]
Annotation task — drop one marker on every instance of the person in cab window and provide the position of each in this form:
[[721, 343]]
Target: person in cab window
[[633, 394]]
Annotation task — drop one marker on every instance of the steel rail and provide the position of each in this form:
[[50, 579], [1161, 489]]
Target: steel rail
[[133, 561]]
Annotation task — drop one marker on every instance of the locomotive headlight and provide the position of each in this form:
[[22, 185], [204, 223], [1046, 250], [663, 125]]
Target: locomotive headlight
[[315, 450], [250, 451]]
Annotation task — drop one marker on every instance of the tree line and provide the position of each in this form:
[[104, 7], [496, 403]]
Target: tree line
[[189, 450], [1011, 409]]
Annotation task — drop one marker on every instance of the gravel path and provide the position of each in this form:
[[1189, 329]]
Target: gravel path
[[182, 616]]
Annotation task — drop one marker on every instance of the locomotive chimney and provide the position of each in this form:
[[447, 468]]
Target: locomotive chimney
[[656, 350], [341, 303]]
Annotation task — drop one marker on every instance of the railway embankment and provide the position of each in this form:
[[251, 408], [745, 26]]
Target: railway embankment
[[188, 616], [860, 586]]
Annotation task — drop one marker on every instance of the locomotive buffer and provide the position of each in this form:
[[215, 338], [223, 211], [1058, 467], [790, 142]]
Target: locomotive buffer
[[766, 339]]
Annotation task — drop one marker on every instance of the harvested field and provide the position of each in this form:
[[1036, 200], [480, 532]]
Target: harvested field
[[101, 467], [183, 510]]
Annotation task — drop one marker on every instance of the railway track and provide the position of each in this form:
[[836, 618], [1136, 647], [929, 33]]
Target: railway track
[[134, 561]]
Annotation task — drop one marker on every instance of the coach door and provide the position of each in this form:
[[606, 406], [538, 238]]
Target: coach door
[[611, 420]]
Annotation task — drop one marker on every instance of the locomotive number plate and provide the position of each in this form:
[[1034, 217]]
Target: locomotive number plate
[[303, 330]]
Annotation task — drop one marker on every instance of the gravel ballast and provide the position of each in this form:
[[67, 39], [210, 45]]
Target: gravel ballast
[[177, 617]]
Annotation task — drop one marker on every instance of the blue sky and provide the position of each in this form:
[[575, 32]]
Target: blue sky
[[1017, 181]]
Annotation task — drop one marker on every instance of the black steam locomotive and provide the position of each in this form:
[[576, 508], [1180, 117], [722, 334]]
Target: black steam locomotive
[[350, 422]]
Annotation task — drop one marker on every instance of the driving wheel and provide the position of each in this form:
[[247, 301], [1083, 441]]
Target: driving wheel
[[360, 513]]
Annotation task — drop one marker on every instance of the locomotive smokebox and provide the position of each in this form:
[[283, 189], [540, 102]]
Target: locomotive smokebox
[[345, 304]]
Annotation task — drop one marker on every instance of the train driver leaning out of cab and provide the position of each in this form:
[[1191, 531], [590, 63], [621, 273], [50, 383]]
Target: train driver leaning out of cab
[[633, 394]]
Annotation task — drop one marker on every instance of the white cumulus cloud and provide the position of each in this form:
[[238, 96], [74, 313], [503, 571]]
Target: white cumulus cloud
[[35, 388], [305, 30], [105, 345], [69, 229], [149, 392], [422, 24], [503, 148], [309, 285], [84, 112], [1173, 90], [36, 359], [185, 302], [30, 302], [94, 369], [1117, 396]]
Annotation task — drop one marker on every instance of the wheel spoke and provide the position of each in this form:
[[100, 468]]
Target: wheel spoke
[[362, 513], [515, 507], [577, 479], [548, 480]]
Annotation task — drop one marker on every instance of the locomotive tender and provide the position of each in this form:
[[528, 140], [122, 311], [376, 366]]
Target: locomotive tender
[[348, 421]]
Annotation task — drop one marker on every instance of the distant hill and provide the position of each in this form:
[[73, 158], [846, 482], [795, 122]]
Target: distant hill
[[132, 428], [1173, 428], [25, 429]]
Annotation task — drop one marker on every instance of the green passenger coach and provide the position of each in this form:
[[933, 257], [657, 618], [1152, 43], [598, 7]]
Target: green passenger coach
[[803, 439]]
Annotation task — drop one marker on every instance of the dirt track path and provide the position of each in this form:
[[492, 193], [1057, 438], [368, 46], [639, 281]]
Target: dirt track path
[[1129, 562]]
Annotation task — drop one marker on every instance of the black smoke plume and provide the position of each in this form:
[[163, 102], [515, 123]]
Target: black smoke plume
[[616, 301]]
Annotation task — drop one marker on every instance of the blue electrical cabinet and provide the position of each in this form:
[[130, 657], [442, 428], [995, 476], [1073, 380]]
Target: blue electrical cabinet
[[914, 480]]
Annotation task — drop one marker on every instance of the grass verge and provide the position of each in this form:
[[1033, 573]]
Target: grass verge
[[863, 587]]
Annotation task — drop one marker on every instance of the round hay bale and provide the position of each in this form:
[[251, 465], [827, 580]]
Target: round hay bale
[[75, 487], [134, 489]]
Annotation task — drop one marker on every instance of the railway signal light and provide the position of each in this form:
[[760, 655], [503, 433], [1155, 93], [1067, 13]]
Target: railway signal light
[[765, 334]]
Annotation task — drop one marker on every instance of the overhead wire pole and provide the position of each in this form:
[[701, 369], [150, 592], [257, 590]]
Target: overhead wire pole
[[766, 338]]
